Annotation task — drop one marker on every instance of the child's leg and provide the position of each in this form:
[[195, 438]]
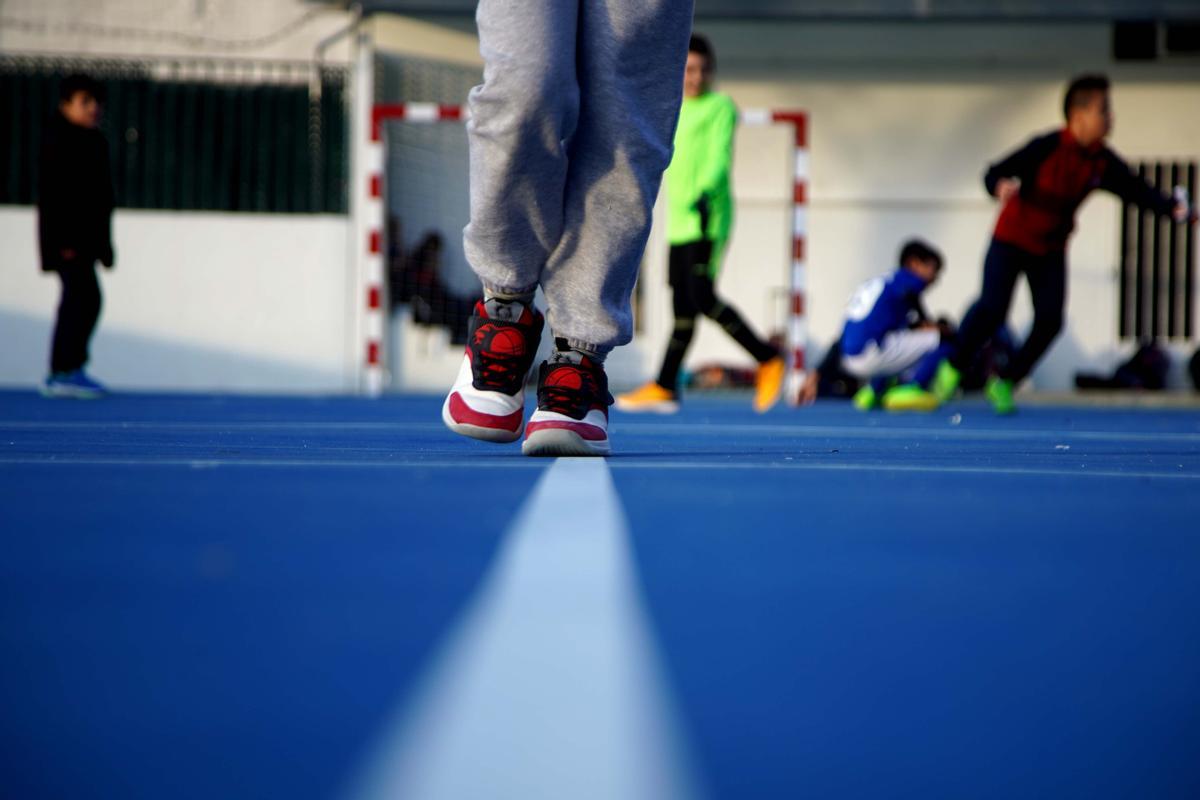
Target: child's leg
[[1047, 285], [1000, 270], [880, 383], [924, 351], [78, 311], [704, 291], [899, 351], [527, 105], [681, 263], [926, 368], [629, 58], [879, 364]]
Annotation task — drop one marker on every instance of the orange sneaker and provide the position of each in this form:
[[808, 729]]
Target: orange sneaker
[[649, 399], [768, 383]]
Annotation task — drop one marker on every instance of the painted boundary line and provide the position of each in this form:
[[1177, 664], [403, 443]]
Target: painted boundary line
[[627, 463], [1033, 436], [550, 685]]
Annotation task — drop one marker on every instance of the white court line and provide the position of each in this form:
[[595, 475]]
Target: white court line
[[628, 463], [1081, 471], [864, 432], [265, 425], [654, 428], [464, 462], [551, 685]]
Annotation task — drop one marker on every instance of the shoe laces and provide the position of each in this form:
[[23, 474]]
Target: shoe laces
[[497, 370], [500, 345], [572, 389]]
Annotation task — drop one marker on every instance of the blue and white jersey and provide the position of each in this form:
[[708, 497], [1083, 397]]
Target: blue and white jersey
[[878, 307]]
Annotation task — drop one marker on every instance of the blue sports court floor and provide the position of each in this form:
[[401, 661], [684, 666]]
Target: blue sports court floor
[[219, 597]]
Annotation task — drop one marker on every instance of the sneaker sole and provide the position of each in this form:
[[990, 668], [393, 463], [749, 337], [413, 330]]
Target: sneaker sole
[[926, 405], [764, 407], [1001, 410], [920, 408], [767, 390], [667, 407], [497, 435], [562, 442], [73, 394]]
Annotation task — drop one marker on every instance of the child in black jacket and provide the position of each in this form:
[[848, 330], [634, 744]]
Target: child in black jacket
[[75, 205]]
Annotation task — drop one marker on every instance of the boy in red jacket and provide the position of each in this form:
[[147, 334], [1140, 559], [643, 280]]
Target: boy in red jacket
[[1041, 186]]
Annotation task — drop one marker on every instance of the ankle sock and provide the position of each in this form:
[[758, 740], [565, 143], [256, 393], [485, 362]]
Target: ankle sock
[[524, 298], [509, 310], [563, 351]]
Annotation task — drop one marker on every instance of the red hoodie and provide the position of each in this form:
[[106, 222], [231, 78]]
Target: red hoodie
[[1056, 174]]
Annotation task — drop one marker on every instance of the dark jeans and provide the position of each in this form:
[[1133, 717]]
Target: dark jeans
[[1047, 277], [694, 293], [78, 311]]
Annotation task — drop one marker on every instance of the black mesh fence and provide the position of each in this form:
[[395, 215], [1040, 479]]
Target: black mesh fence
[[216, 136], [427, 194]]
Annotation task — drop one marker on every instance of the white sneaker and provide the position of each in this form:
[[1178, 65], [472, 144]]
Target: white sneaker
[[487, 400], [572, 412]]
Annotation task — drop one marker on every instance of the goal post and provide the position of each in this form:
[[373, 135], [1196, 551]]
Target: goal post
[[797, 315], [372, 289]]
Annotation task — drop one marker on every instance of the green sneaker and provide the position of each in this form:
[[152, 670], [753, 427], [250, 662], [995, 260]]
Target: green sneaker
[[909, 397], [1000, 392], [865, 399], [945, 381]]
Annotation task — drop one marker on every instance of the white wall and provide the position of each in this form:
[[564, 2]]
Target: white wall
[[893, 160], [904, 118], [202, 301]]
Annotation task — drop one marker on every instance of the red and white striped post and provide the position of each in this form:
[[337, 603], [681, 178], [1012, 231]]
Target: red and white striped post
[[370, 233], [797, 327], [366, 230], [374, 287]]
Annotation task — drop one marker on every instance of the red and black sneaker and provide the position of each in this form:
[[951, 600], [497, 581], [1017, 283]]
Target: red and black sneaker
[[487, 400], [572, 411]]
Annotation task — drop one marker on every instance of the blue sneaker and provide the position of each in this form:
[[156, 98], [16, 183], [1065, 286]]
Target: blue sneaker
[[76, 384]]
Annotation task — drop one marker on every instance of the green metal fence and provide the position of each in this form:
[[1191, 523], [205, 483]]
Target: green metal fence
[[189, 143]]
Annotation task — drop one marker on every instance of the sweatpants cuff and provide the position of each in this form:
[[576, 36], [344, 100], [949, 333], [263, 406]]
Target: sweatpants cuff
[[593, 349], [506, 293]]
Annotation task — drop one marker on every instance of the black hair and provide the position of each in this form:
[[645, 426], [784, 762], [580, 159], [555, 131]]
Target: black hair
[[922, 251], [1081, 89], [78, 82], [700, 45]]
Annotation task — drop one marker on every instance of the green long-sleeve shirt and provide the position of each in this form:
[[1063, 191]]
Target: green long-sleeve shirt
[[700, 168]]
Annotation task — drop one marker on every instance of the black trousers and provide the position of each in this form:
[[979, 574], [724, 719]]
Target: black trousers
[[693, 293], [78, 311], [1047, 277]]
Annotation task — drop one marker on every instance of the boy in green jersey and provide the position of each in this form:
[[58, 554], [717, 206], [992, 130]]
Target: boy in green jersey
[[700, 217]]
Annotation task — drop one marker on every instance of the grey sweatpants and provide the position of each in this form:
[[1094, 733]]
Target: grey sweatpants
[[569, 135]]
